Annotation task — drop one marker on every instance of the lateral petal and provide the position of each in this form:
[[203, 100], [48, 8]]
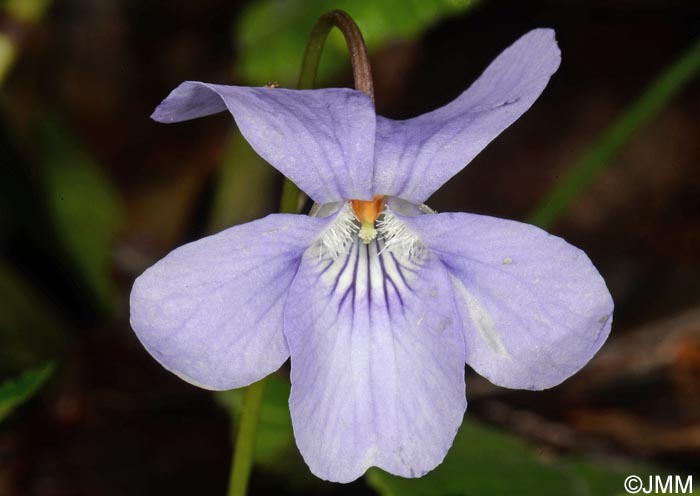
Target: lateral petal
[[534, 309], [415, 157], [323, 139], [377, 363], [211, 310]]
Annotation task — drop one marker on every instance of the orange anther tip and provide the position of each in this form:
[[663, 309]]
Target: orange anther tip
[[368, 210]]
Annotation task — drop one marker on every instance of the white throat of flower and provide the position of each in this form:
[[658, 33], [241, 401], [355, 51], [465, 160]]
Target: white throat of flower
[[391, 234], [398, 237], [336, 239]]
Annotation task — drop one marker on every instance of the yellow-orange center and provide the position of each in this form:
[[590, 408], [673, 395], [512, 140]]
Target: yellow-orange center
[[367, 212]]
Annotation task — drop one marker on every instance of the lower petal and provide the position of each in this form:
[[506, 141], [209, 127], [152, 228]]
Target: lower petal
[[534, 309], [377, 362], [211, 310]]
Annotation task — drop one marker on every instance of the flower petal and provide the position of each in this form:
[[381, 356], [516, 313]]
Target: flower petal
[[534, 309], [211, 310], [323, 140], [416, 156], [377, 363]]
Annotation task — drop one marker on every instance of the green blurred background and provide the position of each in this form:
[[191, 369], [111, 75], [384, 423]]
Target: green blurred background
[[92, 192]]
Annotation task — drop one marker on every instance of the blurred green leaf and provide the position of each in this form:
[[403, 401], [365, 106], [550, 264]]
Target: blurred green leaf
[[84, 207], [16, 391], [485, 462], [31, 328], [26, 10], [8, 54], [602, 152], [482, 462], [599, 479], [272, 34], [21, 12]]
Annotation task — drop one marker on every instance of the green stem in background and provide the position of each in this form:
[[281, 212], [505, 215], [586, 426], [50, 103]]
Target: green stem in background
[[244, 446], [14, 392], [253, 396], [18, 14], [592, 163]]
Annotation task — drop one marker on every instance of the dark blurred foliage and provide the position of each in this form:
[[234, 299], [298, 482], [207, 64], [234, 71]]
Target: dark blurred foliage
[[75, 110]]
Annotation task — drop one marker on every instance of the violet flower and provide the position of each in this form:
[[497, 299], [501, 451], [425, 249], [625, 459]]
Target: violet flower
[[379, 301]]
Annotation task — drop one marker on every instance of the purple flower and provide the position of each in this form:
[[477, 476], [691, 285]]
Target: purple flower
[[379, 301]]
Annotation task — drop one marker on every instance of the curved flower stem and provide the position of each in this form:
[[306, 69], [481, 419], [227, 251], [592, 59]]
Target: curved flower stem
[[361, 69], [244, 448]]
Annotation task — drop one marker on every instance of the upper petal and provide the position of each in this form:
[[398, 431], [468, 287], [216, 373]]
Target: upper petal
[[416, 156], [377, 363], [323, 140], [211, 310], [534, 308]]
